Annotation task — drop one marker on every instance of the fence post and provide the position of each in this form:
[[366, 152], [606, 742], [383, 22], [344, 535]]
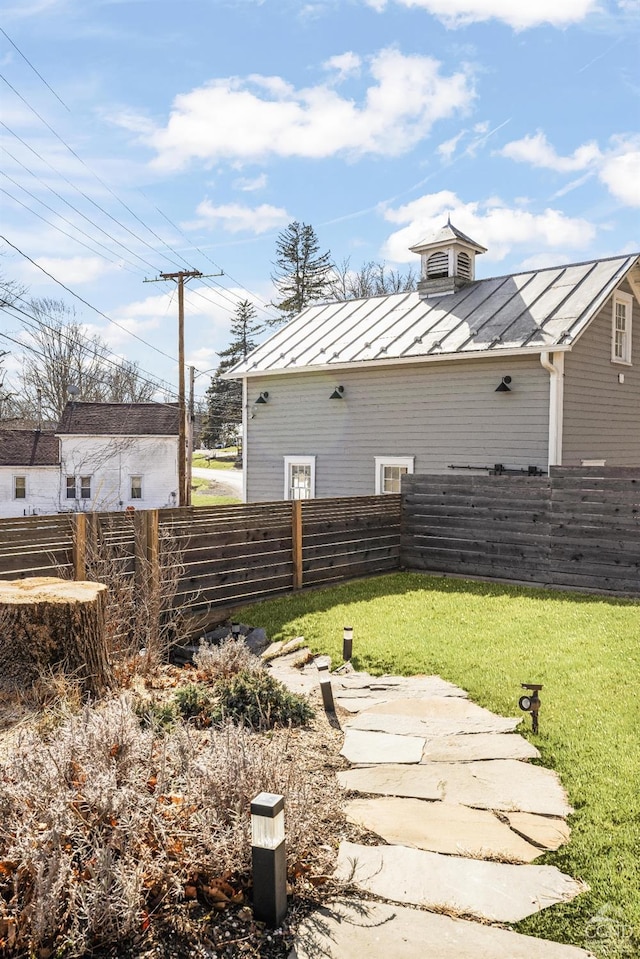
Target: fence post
[[79, 546], [296, 542], [152, 538]]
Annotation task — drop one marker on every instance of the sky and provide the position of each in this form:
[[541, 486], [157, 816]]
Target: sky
[[141, 136]]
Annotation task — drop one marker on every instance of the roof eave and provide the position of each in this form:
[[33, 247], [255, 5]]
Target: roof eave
[[405, 360]]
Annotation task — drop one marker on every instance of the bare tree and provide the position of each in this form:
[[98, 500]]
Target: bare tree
[[59, 354], [372, 279]]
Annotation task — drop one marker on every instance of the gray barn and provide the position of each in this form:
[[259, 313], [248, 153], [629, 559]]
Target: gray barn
[[528, 371]]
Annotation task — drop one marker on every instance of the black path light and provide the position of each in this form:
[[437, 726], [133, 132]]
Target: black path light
[[235, 630], [531, 703], [268, 858], [325, 686], [347, 643]]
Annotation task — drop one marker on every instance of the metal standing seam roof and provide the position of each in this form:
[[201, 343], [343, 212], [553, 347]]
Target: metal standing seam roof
[[538, 310]]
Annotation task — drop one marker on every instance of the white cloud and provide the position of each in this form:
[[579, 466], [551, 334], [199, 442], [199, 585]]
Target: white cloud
[[492, 223], [519, 14], [448, 147], [537, 151], [618, 167], [250, 184], [235, 218], [344, 64], [258, 117], [75, 269]]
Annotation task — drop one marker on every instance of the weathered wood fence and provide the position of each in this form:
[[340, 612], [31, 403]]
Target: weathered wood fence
[[223, 556], [578, 527]]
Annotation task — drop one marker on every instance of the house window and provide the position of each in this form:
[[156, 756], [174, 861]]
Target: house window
[[621, 329], [136, 487], [389, 472], [71, 487], [19, 487], [85, 487], [299, 477]]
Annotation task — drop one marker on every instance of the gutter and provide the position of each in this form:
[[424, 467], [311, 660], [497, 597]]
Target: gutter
[[553, 363]]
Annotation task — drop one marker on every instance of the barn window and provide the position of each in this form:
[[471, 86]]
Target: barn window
[[621, 329], [389, 472], [299, 477], [438, 265], [464, 266]]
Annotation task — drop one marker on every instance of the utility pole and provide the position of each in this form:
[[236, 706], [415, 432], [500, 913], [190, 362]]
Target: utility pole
[[182, 277]]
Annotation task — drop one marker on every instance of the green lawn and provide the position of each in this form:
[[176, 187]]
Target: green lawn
[[488, 639], [201, 495], [216, 464]]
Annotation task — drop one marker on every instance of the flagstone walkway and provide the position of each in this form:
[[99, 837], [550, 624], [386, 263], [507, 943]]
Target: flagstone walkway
[[461, 815]]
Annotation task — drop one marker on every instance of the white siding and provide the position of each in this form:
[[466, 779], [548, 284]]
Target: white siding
[[440, 412], [111, 461], [602, 415], [42, 490]]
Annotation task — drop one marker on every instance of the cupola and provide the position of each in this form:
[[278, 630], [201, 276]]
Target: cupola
[[448, 261]]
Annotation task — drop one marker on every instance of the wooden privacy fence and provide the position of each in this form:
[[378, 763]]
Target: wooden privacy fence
[[577, 527], [223, 556]]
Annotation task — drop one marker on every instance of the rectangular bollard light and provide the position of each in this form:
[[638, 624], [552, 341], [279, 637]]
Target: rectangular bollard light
[[325, 688], [268, 858], [347, 643]]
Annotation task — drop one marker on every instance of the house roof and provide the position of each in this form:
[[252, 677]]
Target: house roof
[[120, 419], [533, 312], [28, 448], [448, 234]]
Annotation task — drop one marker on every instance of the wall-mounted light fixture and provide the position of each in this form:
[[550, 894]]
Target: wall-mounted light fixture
[[262, 399], [338, 393], [504, 387]]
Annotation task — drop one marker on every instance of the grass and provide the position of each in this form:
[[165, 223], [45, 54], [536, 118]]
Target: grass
[[216, 464], [201, 495], [489, 638]]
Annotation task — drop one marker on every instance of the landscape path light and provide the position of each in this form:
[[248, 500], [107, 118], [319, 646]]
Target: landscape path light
[[325, 686], [531, 703], [347, 643], [268, 858]]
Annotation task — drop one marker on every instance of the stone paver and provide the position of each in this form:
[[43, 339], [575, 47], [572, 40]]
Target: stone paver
[[355, 929], [441, 827], [498, 892], [464, 749], [433, 716], [364, 747], [502, 784], [545, 831]]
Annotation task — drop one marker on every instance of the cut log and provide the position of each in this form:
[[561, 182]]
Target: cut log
[[53, 624]]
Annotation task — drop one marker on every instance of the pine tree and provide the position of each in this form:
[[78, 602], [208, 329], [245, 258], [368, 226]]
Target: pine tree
[[224, 397], [302, 273]]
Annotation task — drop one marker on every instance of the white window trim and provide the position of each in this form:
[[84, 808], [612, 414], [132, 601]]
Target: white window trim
[[299, 461], [84, 486], [408, 461], [625, 298], [131, 479], [21, 476]]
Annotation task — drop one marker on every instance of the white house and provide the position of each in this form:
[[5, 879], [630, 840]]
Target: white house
[[103, 456]]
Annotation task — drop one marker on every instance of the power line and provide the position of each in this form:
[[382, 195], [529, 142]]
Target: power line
[[16, 47], [86, 302]]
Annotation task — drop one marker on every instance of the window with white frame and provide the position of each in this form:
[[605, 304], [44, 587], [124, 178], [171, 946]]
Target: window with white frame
[[85, 487], [71, 487], [299, 477], [389, 472], [136, 487], [19, 487], [621, 328]]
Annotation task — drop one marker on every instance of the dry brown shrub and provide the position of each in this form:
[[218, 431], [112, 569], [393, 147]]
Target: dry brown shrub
[[107, 827], [222, 661]]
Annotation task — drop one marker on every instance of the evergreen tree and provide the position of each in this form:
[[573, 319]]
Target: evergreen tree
[[302, 273], [224, 397]]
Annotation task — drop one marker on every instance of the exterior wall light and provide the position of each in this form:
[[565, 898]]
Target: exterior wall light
[[504, 385], [262, 399], [268, 858], [338, 393], [347, 643], [325, 687]]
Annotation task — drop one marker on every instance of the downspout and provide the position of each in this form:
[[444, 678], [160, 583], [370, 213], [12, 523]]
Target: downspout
[[245, 436], [554, 365]]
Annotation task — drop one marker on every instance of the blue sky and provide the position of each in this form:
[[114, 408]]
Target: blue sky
[[188, 135]]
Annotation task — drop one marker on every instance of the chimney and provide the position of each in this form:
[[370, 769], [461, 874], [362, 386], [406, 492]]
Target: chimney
[[448, 261]]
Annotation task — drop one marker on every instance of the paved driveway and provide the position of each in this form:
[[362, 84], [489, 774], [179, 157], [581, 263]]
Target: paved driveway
[[231, 478]]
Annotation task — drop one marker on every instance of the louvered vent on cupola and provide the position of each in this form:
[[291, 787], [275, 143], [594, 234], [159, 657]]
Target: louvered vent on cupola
[[448, 261]]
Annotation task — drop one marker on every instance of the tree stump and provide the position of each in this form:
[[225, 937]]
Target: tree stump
[[53, 624]]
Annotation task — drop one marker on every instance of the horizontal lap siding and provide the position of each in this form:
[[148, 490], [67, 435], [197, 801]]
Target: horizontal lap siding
[[441, 413]]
